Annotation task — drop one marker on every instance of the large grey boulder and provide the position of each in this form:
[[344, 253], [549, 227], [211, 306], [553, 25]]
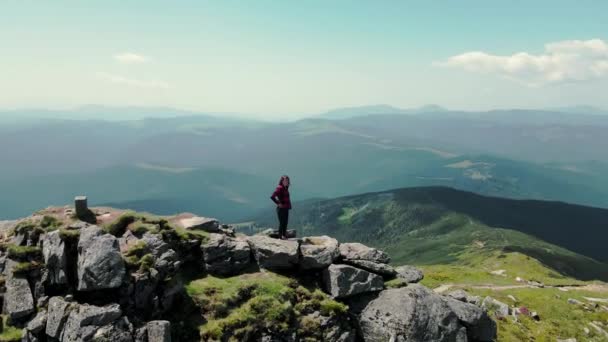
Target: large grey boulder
[[335, 329], [412, 313], [53, 250], [500, 309], [38, 323], [384, 270], [274, 233], [58, 311], [338, 329], [87, 235], [144, 290], [155, 244], [166, 260], [119, 331], [480, 327], [159, 331], [274, 254], [84, 321], [100, 264], [18, 299], [463, 296], [409, 273], [318, 252], [127, 240], [359, 251], [343, 281], [225, 255]]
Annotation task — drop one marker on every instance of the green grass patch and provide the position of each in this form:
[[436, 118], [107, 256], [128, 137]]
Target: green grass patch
[[558, 318], [120, 224], [139, 228], [9, 333], [145, 263], [23, 252], [137, 249], [24, 227], [50, 223], [26, 267], [239, 307], [69, 235], [137, 223], [474, 267], [183, 235], [137, 257], [29, 228], [331, 307]]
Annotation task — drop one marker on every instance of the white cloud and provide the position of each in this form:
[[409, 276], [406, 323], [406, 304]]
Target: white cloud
[[131, 81], [563, 61], [130, 58]]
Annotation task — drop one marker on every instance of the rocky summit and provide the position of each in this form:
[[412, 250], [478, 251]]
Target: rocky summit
[[125, 276]]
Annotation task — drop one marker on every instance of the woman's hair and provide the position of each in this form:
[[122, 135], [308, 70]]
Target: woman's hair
[[282, 178]]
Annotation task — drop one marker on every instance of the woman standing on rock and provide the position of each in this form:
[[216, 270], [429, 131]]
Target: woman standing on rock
[[280, 197]]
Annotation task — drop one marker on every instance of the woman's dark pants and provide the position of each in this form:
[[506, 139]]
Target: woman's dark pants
[[283, 214]]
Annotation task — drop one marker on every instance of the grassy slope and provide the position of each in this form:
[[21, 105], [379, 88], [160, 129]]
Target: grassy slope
[[559, 319], [427, 226], [454, 237]]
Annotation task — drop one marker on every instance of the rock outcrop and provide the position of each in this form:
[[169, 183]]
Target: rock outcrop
[[500, 309], [18, 300], [53, 249], [343, 281], [409, 273], [359, 251], [318, 252], [127, 279], [201, 223], [158, 331], [463, 296], [480, 327], [57, 314], [378, 268], [100, 264], [412, 313], [225, 255], [274, 254]]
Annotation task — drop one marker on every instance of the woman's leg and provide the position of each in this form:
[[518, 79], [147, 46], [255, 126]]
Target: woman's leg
[[282, 213], [286, 222]]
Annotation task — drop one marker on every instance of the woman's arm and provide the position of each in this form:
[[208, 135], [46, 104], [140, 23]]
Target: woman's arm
[[276, 196]]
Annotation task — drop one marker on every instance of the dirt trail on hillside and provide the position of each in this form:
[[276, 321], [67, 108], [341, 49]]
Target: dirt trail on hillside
[[602, 288]]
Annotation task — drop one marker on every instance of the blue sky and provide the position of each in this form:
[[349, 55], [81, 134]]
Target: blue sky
[[288, 58]]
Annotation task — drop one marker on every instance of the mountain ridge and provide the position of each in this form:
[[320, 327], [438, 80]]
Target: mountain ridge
[[427, 225]]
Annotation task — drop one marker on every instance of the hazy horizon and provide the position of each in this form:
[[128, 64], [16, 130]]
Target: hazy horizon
[[95, 111]]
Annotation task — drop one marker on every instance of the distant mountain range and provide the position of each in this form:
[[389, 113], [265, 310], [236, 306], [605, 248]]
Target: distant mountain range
[[118, 113], [161, 162], [351, 112]]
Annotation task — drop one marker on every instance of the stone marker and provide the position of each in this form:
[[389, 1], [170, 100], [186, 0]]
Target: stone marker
[[82, 208]]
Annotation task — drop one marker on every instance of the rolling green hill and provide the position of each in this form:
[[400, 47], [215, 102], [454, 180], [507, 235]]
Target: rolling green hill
[[443, 226]]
